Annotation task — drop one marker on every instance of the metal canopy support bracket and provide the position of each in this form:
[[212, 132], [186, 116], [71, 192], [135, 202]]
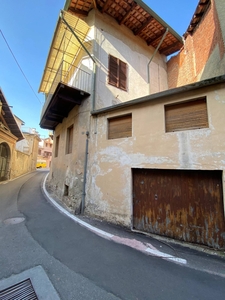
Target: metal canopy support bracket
[[153, 55], [93, 108], [88, 53], [76, 36]]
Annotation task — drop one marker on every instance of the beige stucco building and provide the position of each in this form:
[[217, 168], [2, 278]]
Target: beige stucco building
[[45, 147], [25, 156], [10, 133], [18, 150], [122, 139]]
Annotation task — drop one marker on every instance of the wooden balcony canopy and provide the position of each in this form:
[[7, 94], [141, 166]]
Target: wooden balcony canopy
[[61, 103], [135, 15], [10, 119], [64, 47]]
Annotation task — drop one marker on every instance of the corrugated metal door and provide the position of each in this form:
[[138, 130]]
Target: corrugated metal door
[[182, 204]]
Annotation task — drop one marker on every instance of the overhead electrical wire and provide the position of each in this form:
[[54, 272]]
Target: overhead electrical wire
[[20, 67]]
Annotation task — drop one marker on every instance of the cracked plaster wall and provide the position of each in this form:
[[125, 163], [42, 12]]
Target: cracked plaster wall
[[109, 183]]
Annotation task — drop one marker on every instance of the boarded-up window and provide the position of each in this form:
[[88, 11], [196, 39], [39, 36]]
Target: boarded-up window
[[117, 72], [186, 115], [69, 140], [57, 146], [120, 127]]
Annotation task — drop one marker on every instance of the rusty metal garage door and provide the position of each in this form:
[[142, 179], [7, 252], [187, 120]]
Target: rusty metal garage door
[[182, 204]]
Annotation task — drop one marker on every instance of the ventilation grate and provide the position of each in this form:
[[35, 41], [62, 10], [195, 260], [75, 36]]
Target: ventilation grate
[[20, 291]]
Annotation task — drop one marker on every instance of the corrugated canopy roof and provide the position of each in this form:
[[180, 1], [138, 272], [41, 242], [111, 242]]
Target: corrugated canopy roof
[[64, 46], [135, 15]]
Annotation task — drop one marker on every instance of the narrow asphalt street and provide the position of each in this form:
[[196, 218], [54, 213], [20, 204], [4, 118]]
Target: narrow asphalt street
[[82, 265]]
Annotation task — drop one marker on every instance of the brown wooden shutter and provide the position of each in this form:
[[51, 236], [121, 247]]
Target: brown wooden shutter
[[120, 127], [187, 115], [122, 75], [113, 70]]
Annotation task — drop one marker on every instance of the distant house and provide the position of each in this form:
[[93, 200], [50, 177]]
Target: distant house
[[139, 140], [26, 152], [45, 151]]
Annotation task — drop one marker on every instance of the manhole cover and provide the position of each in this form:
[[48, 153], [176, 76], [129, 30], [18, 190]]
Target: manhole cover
[[14, 220]]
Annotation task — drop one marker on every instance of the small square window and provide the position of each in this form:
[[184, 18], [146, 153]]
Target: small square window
[[186, 115], [66, 190], [120, 127]]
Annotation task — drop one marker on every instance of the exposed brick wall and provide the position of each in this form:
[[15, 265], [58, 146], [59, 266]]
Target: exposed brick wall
[[196, 59]]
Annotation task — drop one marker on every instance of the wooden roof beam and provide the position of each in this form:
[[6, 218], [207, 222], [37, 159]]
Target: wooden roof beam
[[106, 6], [133, 5], [69, 99], [55, 119], [144, 25], [56, 112], [78, 11], [174, 45], [149, 42]]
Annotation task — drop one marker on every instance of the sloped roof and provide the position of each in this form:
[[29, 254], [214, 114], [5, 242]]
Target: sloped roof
[[135, 15], [10, 119], [201, 9]]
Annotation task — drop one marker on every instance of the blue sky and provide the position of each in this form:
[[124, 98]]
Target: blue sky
[[28, 27]]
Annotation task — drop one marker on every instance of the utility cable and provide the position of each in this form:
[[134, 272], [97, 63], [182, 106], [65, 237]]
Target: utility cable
[[19, 66]]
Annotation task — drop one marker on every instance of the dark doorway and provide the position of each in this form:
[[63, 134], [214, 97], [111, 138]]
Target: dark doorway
[[4, 161]]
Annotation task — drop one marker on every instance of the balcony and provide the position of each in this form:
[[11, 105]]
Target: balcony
[[70, 86]]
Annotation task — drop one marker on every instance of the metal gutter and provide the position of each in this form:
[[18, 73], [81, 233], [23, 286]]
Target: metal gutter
[[67, 4], [164, 94]]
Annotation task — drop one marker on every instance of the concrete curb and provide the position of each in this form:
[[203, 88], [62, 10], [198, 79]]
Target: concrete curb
[[135, 244]]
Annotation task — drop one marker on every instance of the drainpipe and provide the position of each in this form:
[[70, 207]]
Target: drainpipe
[[92, 105], [153, 55], [85, 175]]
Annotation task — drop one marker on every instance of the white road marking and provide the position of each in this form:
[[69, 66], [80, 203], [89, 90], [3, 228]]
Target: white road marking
[[125, 241]]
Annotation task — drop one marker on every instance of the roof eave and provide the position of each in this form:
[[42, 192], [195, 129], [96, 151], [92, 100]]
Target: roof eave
[[163, 94], [161, 21]]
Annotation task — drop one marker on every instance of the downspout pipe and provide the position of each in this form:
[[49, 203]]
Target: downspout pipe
[[153, 55], [92, 108], [85, 175]]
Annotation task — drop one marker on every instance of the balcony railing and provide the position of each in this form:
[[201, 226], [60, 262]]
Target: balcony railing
[[71, 76]]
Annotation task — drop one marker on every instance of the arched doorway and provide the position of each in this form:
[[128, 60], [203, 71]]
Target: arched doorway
[[4, 161]]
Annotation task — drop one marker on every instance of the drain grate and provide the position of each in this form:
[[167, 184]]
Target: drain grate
[[21, 291]]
